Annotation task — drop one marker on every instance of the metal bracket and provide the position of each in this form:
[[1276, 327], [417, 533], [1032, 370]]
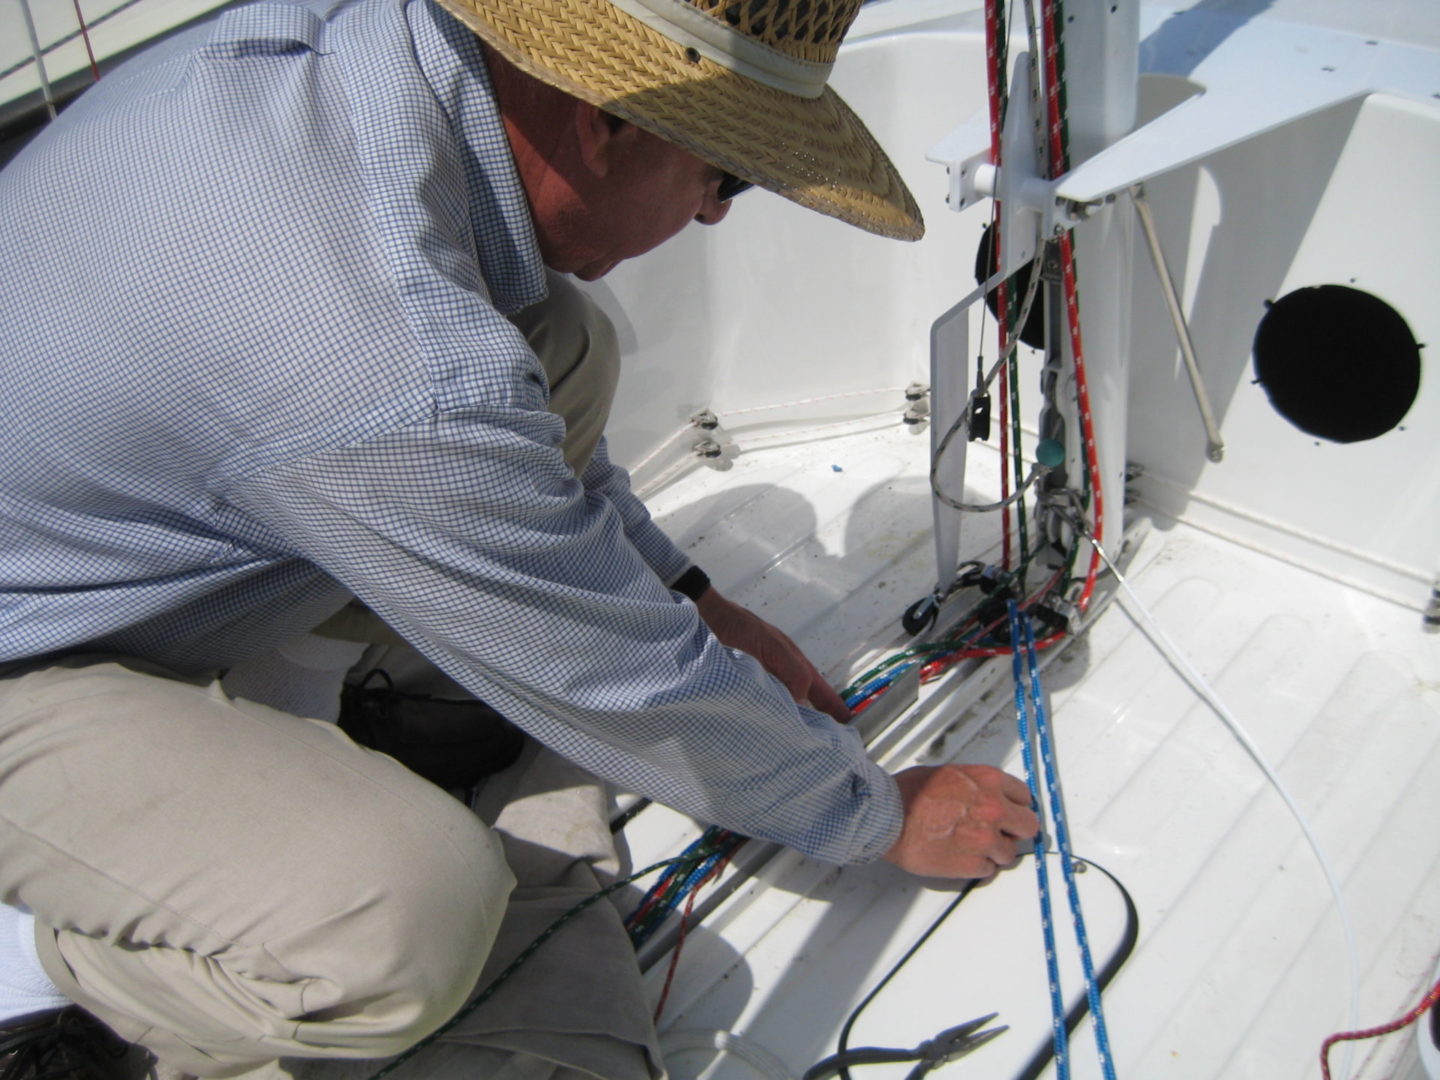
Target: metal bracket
[[1029, 205]]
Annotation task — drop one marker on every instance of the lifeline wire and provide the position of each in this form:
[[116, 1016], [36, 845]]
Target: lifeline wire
[[1019, 621], [1162, 641]]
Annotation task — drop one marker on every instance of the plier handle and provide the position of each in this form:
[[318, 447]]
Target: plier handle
[[953, 1043]]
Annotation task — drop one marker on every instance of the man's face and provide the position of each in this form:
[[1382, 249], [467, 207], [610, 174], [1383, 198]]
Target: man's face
[[650, 190]]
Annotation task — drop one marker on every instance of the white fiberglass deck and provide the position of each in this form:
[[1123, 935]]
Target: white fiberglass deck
[[1240, 967]]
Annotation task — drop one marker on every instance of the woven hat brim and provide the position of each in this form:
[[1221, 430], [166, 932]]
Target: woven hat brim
[[814, 151]]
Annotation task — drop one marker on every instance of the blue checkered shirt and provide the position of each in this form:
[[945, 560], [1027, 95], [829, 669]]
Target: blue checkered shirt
[[254, 359]]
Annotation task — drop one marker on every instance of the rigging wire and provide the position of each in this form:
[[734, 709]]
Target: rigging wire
[[1017, 464], [1007, 355], [1054, 152], [1045, 1054], [46, 50], [844, 1041], [38, 57], [714, 872], [1058, 1034], [695, 866], [935, 658], [1009, 329]]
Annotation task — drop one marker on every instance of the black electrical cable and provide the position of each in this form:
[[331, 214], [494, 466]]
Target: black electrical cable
[[626, 816], [1045, 1053], [842, 1044]]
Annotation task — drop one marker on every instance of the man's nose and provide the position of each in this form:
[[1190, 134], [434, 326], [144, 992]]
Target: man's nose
[[713, 211]]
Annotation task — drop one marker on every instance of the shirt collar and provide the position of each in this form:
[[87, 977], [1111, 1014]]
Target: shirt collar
[[453, 64]]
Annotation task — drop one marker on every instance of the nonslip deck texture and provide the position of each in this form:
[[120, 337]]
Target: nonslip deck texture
[[1240, 969]]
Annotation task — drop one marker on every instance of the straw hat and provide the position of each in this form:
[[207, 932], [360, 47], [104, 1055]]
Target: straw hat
[[739, 83]]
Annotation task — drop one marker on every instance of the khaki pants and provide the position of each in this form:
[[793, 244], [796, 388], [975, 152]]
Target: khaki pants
[[227, 884]]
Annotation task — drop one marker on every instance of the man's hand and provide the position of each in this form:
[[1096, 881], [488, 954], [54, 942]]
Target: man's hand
[[962, 821], [781, 657]]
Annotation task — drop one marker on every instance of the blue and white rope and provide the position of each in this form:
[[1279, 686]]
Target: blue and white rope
[[1042, 872], [1020, 624]]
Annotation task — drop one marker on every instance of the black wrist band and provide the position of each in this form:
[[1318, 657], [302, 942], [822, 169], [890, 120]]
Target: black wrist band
[[692, 583]]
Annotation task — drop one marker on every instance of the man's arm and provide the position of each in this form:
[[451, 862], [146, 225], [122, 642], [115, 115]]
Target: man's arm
[[740, 628], [465, 532], [961, 821], [609, 480], [735, 626]]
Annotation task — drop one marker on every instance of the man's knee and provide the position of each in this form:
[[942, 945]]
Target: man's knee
[[253, 883], [378, 967], [404, 955]]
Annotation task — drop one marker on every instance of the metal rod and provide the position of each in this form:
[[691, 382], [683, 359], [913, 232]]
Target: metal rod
[[39, 58], [1215, 449]]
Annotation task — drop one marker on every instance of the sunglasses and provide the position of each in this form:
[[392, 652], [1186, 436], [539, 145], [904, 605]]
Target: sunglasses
[[730, 186]]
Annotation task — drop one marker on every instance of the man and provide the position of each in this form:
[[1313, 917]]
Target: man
[[273, 300]]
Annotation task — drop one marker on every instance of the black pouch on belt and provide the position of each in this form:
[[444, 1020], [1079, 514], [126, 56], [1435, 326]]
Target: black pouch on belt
[[450, 742]]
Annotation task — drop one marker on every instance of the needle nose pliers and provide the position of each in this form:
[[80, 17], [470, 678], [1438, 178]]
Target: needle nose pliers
[[953, 1043]]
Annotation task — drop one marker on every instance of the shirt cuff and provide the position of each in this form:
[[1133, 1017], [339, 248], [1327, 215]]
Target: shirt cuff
[[882, 817]]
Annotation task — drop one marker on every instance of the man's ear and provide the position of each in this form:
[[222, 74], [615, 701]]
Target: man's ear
[[596, 134]]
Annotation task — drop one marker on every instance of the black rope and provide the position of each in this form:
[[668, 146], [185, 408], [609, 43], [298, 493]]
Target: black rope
[[842, 1045]]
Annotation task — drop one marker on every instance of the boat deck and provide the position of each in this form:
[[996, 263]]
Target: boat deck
[[1240, 965]]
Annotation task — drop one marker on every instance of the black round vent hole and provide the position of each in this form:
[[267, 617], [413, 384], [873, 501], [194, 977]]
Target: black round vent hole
[[1338, 363]]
